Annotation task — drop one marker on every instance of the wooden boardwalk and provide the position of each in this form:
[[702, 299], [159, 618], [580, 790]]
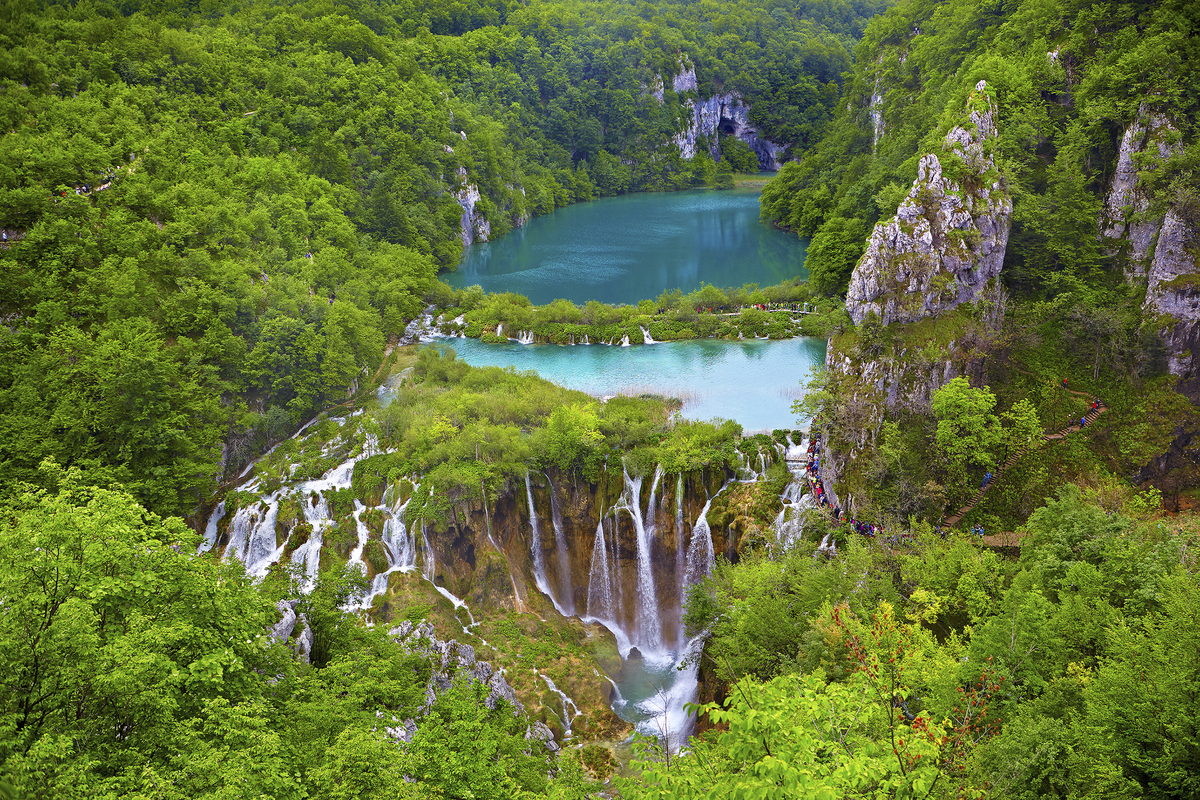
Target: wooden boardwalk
[[1091, 416]]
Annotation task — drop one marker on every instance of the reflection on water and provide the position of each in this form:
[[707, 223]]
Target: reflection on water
[[753, 382], [629, 248]]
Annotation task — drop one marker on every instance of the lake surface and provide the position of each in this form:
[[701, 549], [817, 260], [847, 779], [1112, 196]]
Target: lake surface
[[635, 247], [753, 382]]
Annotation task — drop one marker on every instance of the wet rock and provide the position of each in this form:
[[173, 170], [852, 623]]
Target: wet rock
[[282, 631], [450, 659]]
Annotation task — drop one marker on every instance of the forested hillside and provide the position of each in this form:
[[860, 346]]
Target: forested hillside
[[1011, 609], [1068, 78], [216, 218]]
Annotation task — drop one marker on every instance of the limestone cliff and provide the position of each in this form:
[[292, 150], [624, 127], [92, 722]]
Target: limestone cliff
[[948, 237], [726, 114], [1173, 292], [1157, 248]]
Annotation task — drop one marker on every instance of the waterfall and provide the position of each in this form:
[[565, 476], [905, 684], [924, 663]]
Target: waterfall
[[525, 337], [568, 705], [428, 565], [429, 571], [788, 523], [401, 549], [560, 544], [646, 335], [500, 329], [603, 587], [363, 533], [539, 558], [647, 625], [585, 339], [701, 557], [679, 541], [210, 530], [252, 536], [625, 340]]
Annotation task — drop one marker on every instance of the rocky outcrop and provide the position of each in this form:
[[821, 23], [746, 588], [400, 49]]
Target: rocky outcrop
[[474, 225], [1173, 293], [1126, 225], [1159, 249], [450, 660], [948, 237], [725, 114], [283, 630]]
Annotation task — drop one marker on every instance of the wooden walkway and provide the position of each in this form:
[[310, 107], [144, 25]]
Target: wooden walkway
[[1091, 416]]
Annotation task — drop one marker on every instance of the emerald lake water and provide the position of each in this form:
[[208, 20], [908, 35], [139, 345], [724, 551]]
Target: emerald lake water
[[630, 248], [753, 382]]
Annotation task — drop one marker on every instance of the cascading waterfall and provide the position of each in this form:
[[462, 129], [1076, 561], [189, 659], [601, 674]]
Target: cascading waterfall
[[646, 335], [605, 600], [525, 337], [560, 545], [647, 631], [252, 537], [539, 558], [211, 530], [316, 513], [789, 523], [680, 565], [570, 711], [701, 556], [401, 548], [429, 572]]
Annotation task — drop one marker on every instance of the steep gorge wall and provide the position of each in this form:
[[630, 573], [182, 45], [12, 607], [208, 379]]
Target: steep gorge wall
[[943, 249], [1156, 244]]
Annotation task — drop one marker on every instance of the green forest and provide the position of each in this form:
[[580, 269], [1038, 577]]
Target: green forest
[[267, 193], [218, 220]]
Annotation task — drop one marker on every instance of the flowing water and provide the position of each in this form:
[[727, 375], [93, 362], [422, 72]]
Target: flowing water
[[635, 247], [666, 242]]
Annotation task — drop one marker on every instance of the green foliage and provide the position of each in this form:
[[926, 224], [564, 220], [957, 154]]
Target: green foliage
[[798, 736], [267, 191], [833, 253]]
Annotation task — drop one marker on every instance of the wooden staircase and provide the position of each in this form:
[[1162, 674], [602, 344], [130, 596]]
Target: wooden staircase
[[1091, 416]]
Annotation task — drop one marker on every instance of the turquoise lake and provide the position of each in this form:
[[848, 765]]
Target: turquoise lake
[[753, 382], [630, 248]]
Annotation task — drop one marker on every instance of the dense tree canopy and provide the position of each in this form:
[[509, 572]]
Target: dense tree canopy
[[215, 217]]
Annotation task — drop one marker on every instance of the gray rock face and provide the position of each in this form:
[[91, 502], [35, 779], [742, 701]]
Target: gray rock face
[[1173, 289], [1158, 249], [1124, 217], [450, 659], [724, 113], [474, 225], [948, 237], [282, 631]]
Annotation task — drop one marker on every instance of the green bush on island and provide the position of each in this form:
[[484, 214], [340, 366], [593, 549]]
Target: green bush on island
[[707, 313]]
